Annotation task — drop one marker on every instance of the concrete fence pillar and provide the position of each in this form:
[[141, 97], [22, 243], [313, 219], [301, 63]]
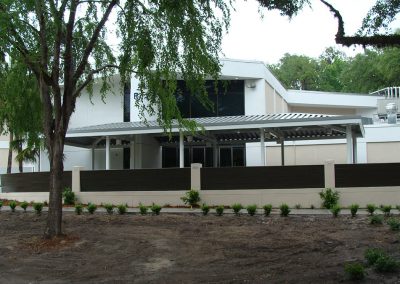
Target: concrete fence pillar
[[329, 170], [195, 176], [76, 179]]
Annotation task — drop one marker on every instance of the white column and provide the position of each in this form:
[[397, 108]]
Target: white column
[[349, 142], [76, 179], [262, 146], [329, 174], [195, 176], [181, 151], [107, 152]]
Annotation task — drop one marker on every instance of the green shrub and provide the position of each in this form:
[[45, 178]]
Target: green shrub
[[386, 209], [397, 207], [329, 198], [371, 208], [236, 208], [284, 210], [251, 209], [376, 220], [386, 263], [122, 209], [354, 209], [143, 209], [38, 207], [109, 208], [192, 197], [69, 196], [372, 254], [219, 210], [297, 206], [312, 206], [155, 209], [205, 209], [45, 203], [12, 205], [78, 209], [267, 209], [1, 204], [91, 208], [335, 209], [24, 205], [354, 271], [394, 224]]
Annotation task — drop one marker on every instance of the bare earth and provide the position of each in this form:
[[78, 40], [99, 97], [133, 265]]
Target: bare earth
[[189, 248]]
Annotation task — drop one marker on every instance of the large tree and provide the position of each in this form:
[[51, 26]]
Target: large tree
[[67, 43]]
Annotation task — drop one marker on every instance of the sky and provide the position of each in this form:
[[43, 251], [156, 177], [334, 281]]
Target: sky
[[309, 33]]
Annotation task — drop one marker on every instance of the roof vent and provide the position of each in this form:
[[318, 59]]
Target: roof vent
[[391, 110]]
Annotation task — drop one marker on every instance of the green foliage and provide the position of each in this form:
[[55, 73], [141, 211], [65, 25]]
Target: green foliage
[[371, 208], [297, 206], [354, 271], [335, 209], [122, 209], [251, 209], [38, 207], [236, 208], [192, 197], [386, 263], [69, 196], [78, 209], [372, 254], [329, 198], [394, 224], [12, 205], [143, 209], [219, 210], [312, 206], [386, 209], [109, 208], [155, 209], [1, 204], [354, 209], [284, 208], [205, 209], [267, 209], [376, 220], [91, 208], [24, 205]]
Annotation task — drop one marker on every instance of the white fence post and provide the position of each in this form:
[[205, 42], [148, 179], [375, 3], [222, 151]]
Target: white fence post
[[76, 179], [195, 176], [329, 173]]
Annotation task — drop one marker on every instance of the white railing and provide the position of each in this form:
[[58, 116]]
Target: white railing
[[389, 92]]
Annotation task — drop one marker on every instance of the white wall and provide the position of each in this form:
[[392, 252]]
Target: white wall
[[255, 98]]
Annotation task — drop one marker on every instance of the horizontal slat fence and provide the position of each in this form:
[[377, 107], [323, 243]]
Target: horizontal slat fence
[[367, 175], [262, 177], [31, 182], [136, 180]]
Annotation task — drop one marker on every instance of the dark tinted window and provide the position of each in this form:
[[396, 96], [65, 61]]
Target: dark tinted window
[[127, 102]]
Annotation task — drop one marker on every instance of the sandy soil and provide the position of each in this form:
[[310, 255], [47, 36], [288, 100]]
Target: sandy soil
[[189, 248]]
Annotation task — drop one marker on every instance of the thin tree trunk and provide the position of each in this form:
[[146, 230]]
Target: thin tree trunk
[[20, 162], [10, 152]]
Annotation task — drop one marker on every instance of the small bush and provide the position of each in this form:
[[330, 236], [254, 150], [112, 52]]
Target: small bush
[[122, 209], [1, 204], [376, 220], [109, 208], [267, 209], [24, 205], [45, 203], [12, 205], [38, 207], [192, 197], [251, 209], [394, 224], [219, 210], [386, 263], [297, 206], [354, 271], [143, 209], [372, 254], [371, 208], [312, 206], [335, 209], [91, 208], [329, 198], [236, 208], [69, 196], [284, 210], [78, 209], [386, 209], [155, 209], [397, 207], [354, 209], [205, 209]]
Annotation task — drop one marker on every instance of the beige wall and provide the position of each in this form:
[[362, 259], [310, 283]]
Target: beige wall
[[324, 110], [275, 102], [307, 154], [4, 138], [383, 152]]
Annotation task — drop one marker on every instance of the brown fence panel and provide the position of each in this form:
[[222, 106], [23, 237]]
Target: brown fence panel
[[136, 180], [367, 175], [31, 182], [262, 177]]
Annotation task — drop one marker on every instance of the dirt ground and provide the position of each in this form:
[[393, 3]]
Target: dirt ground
[[189, 248]]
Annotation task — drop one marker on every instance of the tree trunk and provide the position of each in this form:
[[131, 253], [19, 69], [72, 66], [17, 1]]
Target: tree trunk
[[20, 162], [54, 219], [10, 152]]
